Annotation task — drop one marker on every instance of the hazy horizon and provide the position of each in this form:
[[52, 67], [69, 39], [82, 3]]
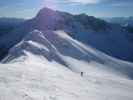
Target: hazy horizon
[[97, 8]]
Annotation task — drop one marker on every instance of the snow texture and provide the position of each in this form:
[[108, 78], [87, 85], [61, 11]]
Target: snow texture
[[48, 65]]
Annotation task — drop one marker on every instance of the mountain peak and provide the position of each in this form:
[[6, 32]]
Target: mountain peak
[[46, 11]]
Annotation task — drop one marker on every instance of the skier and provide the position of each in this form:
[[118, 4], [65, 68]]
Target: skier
[[81, 73]]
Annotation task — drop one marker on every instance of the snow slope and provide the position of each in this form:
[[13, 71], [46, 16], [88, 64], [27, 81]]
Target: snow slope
[[47, 65], [60, 47]]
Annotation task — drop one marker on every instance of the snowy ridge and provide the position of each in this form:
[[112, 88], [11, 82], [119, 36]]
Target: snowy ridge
[[87, 29], [47, 65], [59, 47]]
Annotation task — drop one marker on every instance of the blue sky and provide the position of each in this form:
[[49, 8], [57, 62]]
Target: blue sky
[[98, 8]]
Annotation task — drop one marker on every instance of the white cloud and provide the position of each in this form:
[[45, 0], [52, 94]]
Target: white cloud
[[122, 4], [85, 1], [73, 1]]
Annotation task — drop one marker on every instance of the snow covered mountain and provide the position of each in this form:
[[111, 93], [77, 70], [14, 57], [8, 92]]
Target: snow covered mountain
[[58, 45], [48, 53], [109, 38], [47, 65]]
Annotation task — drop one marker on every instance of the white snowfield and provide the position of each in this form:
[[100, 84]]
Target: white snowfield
[[47, 66]]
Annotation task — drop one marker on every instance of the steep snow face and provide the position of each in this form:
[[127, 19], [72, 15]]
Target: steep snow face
[[47, 66]]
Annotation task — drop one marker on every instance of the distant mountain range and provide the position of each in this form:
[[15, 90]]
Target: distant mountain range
[[109, 38], [124, 21], [8, 24]]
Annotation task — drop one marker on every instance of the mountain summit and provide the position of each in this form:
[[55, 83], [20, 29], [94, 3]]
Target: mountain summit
[[53, 56], [92, 31]]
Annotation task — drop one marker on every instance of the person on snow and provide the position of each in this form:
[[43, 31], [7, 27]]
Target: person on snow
[[81, 73]]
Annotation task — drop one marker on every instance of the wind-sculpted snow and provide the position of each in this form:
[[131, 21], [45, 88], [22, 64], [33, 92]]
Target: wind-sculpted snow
[[60, 47], [47, 66], [46, 80]]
